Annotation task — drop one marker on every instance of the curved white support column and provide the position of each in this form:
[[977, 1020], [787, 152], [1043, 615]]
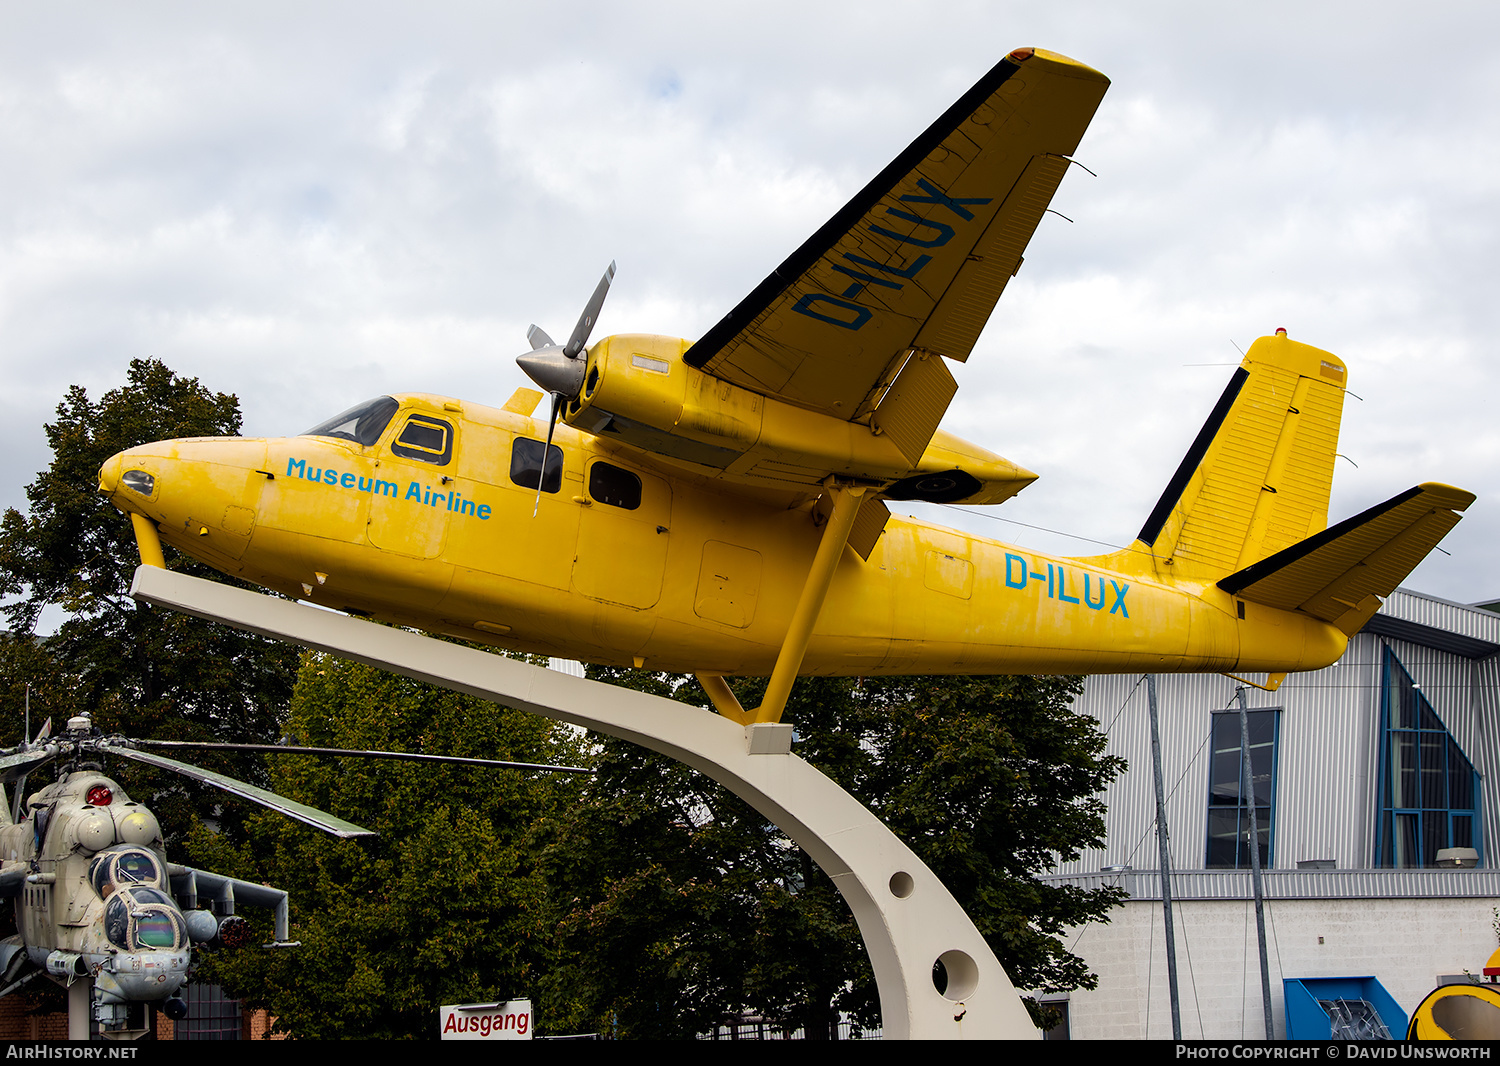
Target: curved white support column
[[908, 919]]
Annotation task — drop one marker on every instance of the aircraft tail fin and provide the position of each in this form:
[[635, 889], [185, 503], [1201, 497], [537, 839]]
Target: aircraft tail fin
[[1258, 475], [1342, 574]]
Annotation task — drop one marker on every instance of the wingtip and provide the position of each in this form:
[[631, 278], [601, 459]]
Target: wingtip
[[1450, 496], [1060, 63]]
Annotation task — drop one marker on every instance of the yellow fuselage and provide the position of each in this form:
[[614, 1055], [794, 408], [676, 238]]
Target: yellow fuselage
[[699, 576]]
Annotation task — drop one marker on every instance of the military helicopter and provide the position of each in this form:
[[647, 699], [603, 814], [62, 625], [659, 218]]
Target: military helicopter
[[99, 909]]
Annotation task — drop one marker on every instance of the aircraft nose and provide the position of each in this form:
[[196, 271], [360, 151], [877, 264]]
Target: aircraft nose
[[109, 474]]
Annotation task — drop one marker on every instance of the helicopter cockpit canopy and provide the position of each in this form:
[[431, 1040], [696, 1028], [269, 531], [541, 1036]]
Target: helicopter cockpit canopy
[[122, 867], [138, 913], [144, 919], [362, 423]]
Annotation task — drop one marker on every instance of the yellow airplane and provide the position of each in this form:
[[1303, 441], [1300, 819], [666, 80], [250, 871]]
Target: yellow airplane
[[718, 507]]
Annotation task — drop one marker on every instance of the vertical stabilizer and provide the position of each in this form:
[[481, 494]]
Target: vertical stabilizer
[[1257, 477]]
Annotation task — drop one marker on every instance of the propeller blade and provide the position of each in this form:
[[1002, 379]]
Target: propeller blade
[[537, 337], [301, 812], [541, 475], [585, 325], [289, 749]]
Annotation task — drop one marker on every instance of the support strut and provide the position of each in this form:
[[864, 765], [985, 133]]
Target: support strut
[[909, 921], [846, 503]]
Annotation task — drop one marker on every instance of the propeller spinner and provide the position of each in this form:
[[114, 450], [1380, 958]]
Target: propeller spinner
[[559, 368]]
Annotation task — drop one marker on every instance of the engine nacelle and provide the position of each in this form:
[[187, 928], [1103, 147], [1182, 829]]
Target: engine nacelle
[[636, 389]]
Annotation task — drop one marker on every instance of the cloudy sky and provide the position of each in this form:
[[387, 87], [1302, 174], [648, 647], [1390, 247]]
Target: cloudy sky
[[307, 205]]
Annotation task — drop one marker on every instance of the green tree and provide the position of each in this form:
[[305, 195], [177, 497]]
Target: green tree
[[447, 904], [135, 668], [683, 906]]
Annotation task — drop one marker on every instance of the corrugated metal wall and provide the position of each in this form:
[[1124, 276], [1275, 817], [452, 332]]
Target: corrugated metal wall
[[1326, 799], [1443, 614]]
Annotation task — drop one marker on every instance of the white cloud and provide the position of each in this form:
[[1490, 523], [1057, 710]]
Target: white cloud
[[305, 205]]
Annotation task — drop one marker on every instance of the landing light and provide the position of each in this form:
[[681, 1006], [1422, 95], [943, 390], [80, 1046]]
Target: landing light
[[139, 481], [100, 796]]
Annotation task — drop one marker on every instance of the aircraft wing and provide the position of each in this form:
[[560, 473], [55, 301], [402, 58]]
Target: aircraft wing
[[916, 261]]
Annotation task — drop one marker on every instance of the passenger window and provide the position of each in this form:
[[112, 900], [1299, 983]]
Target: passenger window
[[526, 464], [616, 487], [425, 438]]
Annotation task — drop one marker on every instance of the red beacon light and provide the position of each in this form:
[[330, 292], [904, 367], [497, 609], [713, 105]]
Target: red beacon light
[[1281, 331], [100, 796]]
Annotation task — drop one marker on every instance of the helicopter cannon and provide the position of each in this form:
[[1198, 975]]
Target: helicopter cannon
[[99, 909]]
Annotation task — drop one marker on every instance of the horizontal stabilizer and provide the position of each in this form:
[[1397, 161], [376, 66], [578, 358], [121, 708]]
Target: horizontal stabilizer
[[1341, 574]]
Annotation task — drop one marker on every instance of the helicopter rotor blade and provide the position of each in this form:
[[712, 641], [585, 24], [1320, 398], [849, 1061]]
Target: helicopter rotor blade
[[16, 765], [290, 749], [301, 812]]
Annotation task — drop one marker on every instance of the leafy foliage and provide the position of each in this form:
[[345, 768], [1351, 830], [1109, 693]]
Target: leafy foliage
[[136, 669], [682, 905], [673, 884], [76, 551], [447, 904]]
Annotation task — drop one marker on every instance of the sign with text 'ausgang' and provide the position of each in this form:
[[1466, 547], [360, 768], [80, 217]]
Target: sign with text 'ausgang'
[[486, 1021]]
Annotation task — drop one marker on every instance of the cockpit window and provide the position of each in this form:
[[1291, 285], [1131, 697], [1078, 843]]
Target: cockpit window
[[363, 424], [120, 866], [144, 919]]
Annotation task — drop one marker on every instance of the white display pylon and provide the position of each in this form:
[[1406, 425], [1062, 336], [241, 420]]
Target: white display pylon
[[908, 918]]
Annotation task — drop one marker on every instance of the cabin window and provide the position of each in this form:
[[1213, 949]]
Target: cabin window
[[427, 439], [1429, 792], [362, 424], [526, 464], [1228, 813], [616, 487]]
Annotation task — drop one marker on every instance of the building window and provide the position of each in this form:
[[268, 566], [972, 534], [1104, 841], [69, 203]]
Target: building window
[[1228, 816], [1429, 792], [211, 1015], [1056, 1011]]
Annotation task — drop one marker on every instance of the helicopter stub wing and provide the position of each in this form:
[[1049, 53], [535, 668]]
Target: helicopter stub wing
[[235, 787], [917, 259]]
